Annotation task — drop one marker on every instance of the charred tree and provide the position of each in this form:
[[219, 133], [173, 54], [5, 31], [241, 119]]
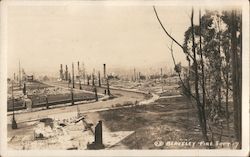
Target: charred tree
[[236, 78]]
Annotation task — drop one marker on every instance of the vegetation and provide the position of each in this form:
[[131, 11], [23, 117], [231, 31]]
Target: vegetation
[[213, 51]]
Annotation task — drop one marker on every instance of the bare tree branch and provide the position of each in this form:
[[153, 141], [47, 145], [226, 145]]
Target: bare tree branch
[[165, 29], [179, 74], [169, 34], [171, 49]]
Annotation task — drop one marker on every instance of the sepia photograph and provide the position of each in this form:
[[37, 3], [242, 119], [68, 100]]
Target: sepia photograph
[[92, 76]]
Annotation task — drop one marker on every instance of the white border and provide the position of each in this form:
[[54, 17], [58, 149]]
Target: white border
[[180, 152]]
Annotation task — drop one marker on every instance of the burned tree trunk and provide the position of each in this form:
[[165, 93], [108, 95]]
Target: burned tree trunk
[[200, 101], [203, 81], [236, 78], [201, 111]]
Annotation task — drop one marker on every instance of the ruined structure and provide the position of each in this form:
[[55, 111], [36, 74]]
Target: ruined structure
[[93, 79], [88, 77], [96, 96], [73, 76], [98, 143], [104, 71], [99, 78], [61, 72], [134, 74], [66, 73]]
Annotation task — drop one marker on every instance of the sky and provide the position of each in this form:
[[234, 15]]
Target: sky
[[123, 37]]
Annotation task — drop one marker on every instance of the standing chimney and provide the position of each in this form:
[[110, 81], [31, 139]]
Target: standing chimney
[[73, 76], [98, 134], [93, 79], [83, 73], [20, 78], [72, 96], [139, 76], [108, 90], [61, 72], [104, 71], [78, 65], [24, 88], [99, 78], [96, 96], [66, 73], [69, 78], [161, 74], [14, 124], [78, 69], [98, 143], [134, 75], [88, 77]]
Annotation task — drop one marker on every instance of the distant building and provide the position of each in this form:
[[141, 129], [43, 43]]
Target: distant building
[[30, 78]]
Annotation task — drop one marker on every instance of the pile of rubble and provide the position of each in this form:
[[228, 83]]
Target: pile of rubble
[[16, 95], [51, 91], [48, 91], [58, 134]]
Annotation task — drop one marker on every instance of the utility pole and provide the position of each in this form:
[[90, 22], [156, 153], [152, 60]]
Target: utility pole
[[14, 124]]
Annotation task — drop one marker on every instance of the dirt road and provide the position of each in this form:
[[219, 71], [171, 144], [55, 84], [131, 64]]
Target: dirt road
[[122, 96]]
